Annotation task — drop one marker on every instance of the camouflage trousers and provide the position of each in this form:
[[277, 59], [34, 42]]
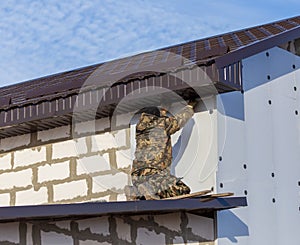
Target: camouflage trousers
[[159, 182]]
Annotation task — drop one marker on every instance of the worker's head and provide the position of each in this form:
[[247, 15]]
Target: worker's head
[[165, 105], [163, 111], [152, 110]]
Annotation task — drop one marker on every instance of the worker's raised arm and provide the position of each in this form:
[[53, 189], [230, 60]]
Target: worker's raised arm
[[177, 121]]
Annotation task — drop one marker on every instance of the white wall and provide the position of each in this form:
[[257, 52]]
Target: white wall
[[194, 147], [266, 139]]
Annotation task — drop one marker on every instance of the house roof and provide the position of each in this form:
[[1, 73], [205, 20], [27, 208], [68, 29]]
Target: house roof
[[25, 105]]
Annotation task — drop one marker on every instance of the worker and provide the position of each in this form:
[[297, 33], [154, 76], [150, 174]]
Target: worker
[[150, 173]]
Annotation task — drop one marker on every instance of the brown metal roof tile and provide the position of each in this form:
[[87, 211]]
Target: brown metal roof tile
[[265, 31], [200, 46], [281, 28], [5, 101], [293, 23], [251, 35], [258, 33], [221, 41], [193, 56], [186, 51], [134, 62], [161, 57], [228, 38], [296, 20], [287, 25], [207, 45], [273, 29], [244, 37], [236, 40], [214, 42]]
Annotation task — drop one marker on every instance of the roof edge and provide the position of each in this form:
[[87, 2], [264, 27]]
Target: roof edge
[[257, 47], [92, 209]]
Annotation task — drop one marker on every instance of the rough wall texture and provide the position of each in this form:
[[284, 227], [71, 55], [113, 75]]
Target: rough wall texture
[[34, 171], [52, 167], [177, 228]]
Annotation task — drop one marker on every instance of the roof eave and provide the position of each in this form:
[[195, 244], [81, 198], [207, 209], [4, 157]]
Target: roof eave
[[257, 47], [96, 209]]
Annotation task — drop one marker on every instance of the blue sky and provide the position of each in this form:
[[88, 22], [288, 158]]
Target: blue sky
[[39, 38]]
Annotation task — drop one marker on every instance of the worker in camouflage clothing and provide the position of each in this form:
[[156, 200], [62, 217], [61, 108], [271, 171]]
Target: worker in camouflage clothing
[[150, 172]]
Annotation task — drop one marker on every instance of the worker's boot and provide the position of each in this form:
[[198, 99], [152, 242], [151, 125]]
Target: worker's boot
[[131, 193], [146, 191]]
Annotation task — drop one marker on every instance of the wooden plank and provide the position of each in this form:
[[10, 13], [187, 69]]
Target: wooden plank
[[213, 196], [195, 194]]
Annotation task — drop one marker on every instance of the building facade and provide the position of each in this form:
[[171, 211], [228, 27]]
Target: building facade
[[68, 141]]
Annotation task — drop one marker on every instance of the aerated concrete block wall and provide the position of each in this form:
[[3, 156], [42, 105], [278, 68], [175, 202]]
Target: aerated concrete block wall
[[176, 228], [34, 171], [89, 162]]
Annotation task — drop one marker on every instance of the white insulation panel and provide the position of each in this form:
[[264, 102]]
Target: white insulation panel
[[259, 149]]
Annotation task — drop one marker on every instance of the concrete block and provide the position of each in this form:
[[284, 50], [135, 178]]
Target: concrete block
[[9, 233], [170, 221], [98, 225], [80, 145], [90, 242], [65, 224], [92, 126], [103, 142], [53, 134], [123, 230], [140, 217], [70, 190], [92, 164], [122, 119], [15, 142], [145, 236], [122, 137], [102, 124], [30, 156], [69, 148], [5, 161], [101, 199], [201, 226], [124, 158], [55, 238], [57, 171], [110, 181], [16, 179], [85, 127], [5, 199], [64, 149], [29, 234], [31, 197]]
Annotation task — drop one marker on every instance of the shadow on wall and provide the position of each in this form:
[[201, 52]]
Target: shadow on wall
[[232, 105], [174, 228], [181, 144], [231, 226], [258, 70]]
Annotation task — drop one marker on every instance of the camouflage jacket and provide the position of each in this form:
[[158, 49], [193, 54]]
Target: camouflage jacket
[[153, 139]]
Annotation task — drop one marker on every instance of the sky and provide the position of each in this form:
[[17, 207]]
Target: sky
[[43, 37]]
